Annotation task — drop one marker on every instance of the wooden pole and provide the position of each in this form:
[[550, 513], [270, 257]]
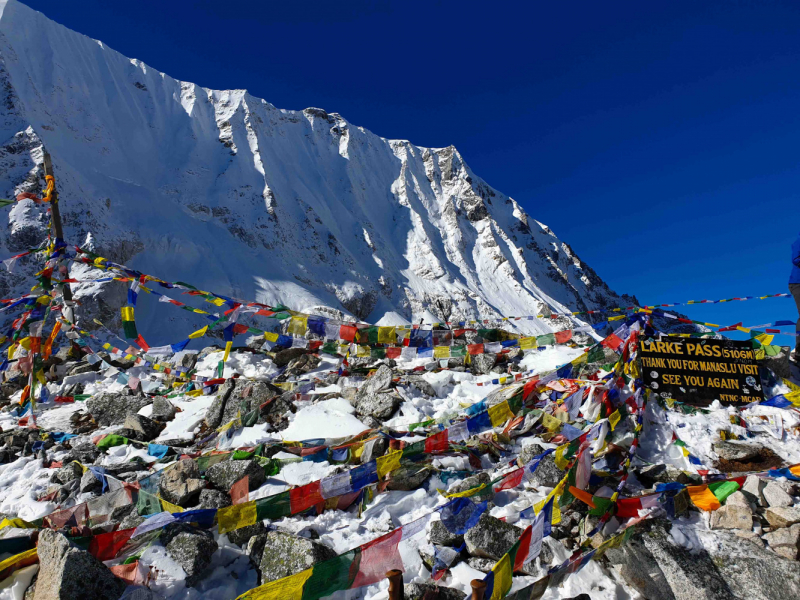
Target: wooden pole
[[55, 213], [478, 589], [395, 584]]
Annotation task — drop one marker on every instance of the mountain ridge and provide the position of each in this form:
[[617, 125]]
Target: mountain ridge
[[226, 191]]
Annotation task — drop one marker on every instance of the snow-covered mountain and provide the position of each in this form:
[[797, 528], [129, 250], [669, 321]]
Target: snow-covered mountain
[[225, 191]]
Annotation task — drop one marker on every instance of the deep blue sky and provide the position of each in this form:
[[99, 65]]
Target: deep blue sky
[[659, 141]]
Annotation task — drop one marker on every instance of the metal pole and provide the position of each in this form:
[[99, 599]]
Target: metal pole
[[395, 584], [478, 589]]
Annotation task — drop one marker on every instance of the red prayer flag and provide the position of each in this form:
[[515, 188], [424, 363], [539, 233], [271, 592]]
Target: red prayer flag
[[106, 546], [628, 507], [612, 342], [240, 491], [304, 497], [377, 557], [134, 573], [141, 343], [437, 443], [393, 352], [511, 480], [475, 348], [347, 332], [524, 548], [562, 337]]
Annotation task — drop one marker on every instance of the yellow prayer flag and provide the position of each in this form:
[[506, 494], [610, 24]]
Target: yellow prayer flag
[[199, 333], [560, 461], [388, 463], [270, 337], [465, 493], [386, 335], [765, 338], [170, 507], [288, 588], [216, 301], [441, 352], [579, 360], [17, 523], [500, 413], [502, 577], [236, 516], [228, 346], [527, 343], [613, 419], [297, 326], [12, 560], [363, 351], [551, 423], [127, 313]]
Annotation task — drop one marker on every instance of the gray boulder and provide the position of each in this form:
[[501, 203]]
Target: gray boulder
[[732, 516], [481, 364], [736, 451], [214, 412], [484, 565], [409, 478], [440, 536], [775, 495], [739, 499], [84, 453], [224, 474], [378, 406], [547, 474], [67, 572], [422, 385], [784, 541], [193, 552], [242, 535], [240, 396], [373, 399], [779, 364], [379, 381], [469, 483], [140, 428], [111, 409], [753, 489], [181, 483], [431, 591], [285, 554], [69, 472], [90, 483], [491, 537], [131, 520], [729, 567], [782, 516], [254, 549], [284, 357], [214, 499], [528, 452], [163, 409]]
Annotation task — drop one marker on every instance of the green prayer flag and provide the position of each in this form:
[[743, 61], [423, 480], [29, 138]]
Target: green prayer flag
[[332, 575], [723, 489], [596, 354], [273, 507], [147, 504]]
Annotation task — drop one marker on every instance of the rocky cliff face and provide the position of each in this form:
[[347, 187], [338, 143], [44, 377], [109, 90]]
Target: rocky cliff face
[[227, 192]]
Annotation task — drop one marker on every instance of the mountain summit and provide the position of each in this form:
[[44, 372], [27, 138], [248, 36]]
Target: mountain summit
[[225, 191]]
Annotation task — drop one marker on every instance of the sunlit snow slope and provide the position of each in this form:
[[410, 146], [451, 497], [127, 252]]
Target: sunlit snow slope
[[227, 192]]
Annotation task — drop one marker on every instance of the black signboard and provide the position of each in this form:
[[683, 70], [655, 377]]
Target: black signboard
[[699, 371]]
